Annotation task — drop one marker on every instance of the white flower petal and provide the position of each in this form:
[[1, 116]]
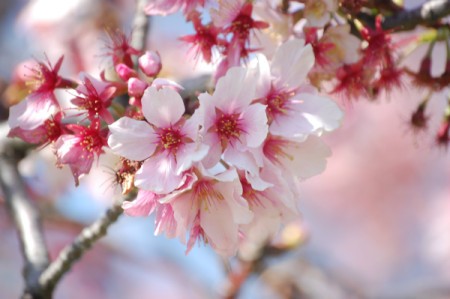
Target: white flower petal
[[235, 90], [190, 153], [241, 160], [132, 139], [143, 205], [220, 229], [321, 112], [33, 111], [261, 68], [310, 157], [232, 192], [158, 174], [254, 122], [162, 107], [291, 64]]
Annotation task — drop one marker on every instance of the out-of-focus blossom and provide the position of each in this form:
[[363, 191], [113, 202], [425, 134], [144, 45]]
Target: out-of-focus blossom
[[280, 27], [317, 12], [120, 49], [166, 7], [46, 133], [37, 107], [205, 38], [95, 97], [344, 47], [150, 63], [79, 149]]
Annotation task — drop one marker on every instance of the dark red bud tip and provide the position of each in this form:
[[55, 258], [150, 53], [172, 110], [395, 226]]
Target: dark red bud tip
[[425, 66], [419, 120], [442, 137]]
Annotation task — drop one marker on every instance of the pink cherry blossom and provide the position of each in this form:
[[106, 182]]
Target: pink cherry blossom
[[120, 49], [317, 12], [150, 63], [79, 149], [41, 104], [166, 7], [95, 97], [44, 134], [300, 159], [272, 205], [166, 141], [230, 124], [125, 72], [212, 210], [236, 17], [291, 112], [205, 38], [147, 203]]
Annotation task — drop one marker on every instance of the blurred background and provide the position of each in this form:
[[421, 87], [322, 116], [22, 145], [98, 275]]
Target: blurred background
[[377, 221]]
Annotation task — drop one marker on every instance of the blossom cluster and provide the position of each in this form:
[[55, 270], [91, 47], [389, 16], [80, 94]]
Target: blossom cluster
[[232, 165], [213, 175], [240, 153]]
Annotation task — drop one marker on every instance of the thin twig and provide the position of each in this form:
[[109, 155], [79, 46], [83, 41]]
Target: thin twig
[[140, 27], [71, 253], [26, 218]]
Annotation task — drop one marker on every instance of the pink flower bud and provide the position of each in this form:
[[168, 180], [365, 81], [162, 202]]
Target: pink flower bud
[[136, 87], [150, 63], [125, 72]]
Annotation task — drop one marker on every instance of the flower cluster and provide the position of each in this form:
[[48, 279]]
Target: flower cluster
[[212, 175], [236, 161], [228, 33]]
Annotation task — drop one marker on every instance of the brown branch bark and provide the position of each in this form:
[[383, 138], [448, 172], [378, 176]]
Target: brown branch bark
[[73, 252], [427, 14], [141, 24], [26, 218]]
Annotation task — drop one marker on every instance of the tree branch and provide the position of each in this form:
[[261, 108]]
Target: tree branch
[[140, 27], [428, 13], [71, 253], [26, 217]]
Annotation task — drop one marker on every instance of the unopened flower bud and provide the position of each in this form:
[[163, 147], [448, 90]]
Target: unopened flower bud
[[150, 63], [136, 87], [425, 66], [125, 72], [419, 120]]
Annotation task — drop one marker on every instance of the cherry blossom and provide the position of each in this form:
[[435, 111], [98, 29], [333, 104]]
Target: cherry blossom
[[212, 210], [41, 103], [291, 112], [145, 204], [166, 7], [95, 97], [44, 134], [231, 125], [150, 63], [205, 38], [78, 150], [166, 141], [317, 12]]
